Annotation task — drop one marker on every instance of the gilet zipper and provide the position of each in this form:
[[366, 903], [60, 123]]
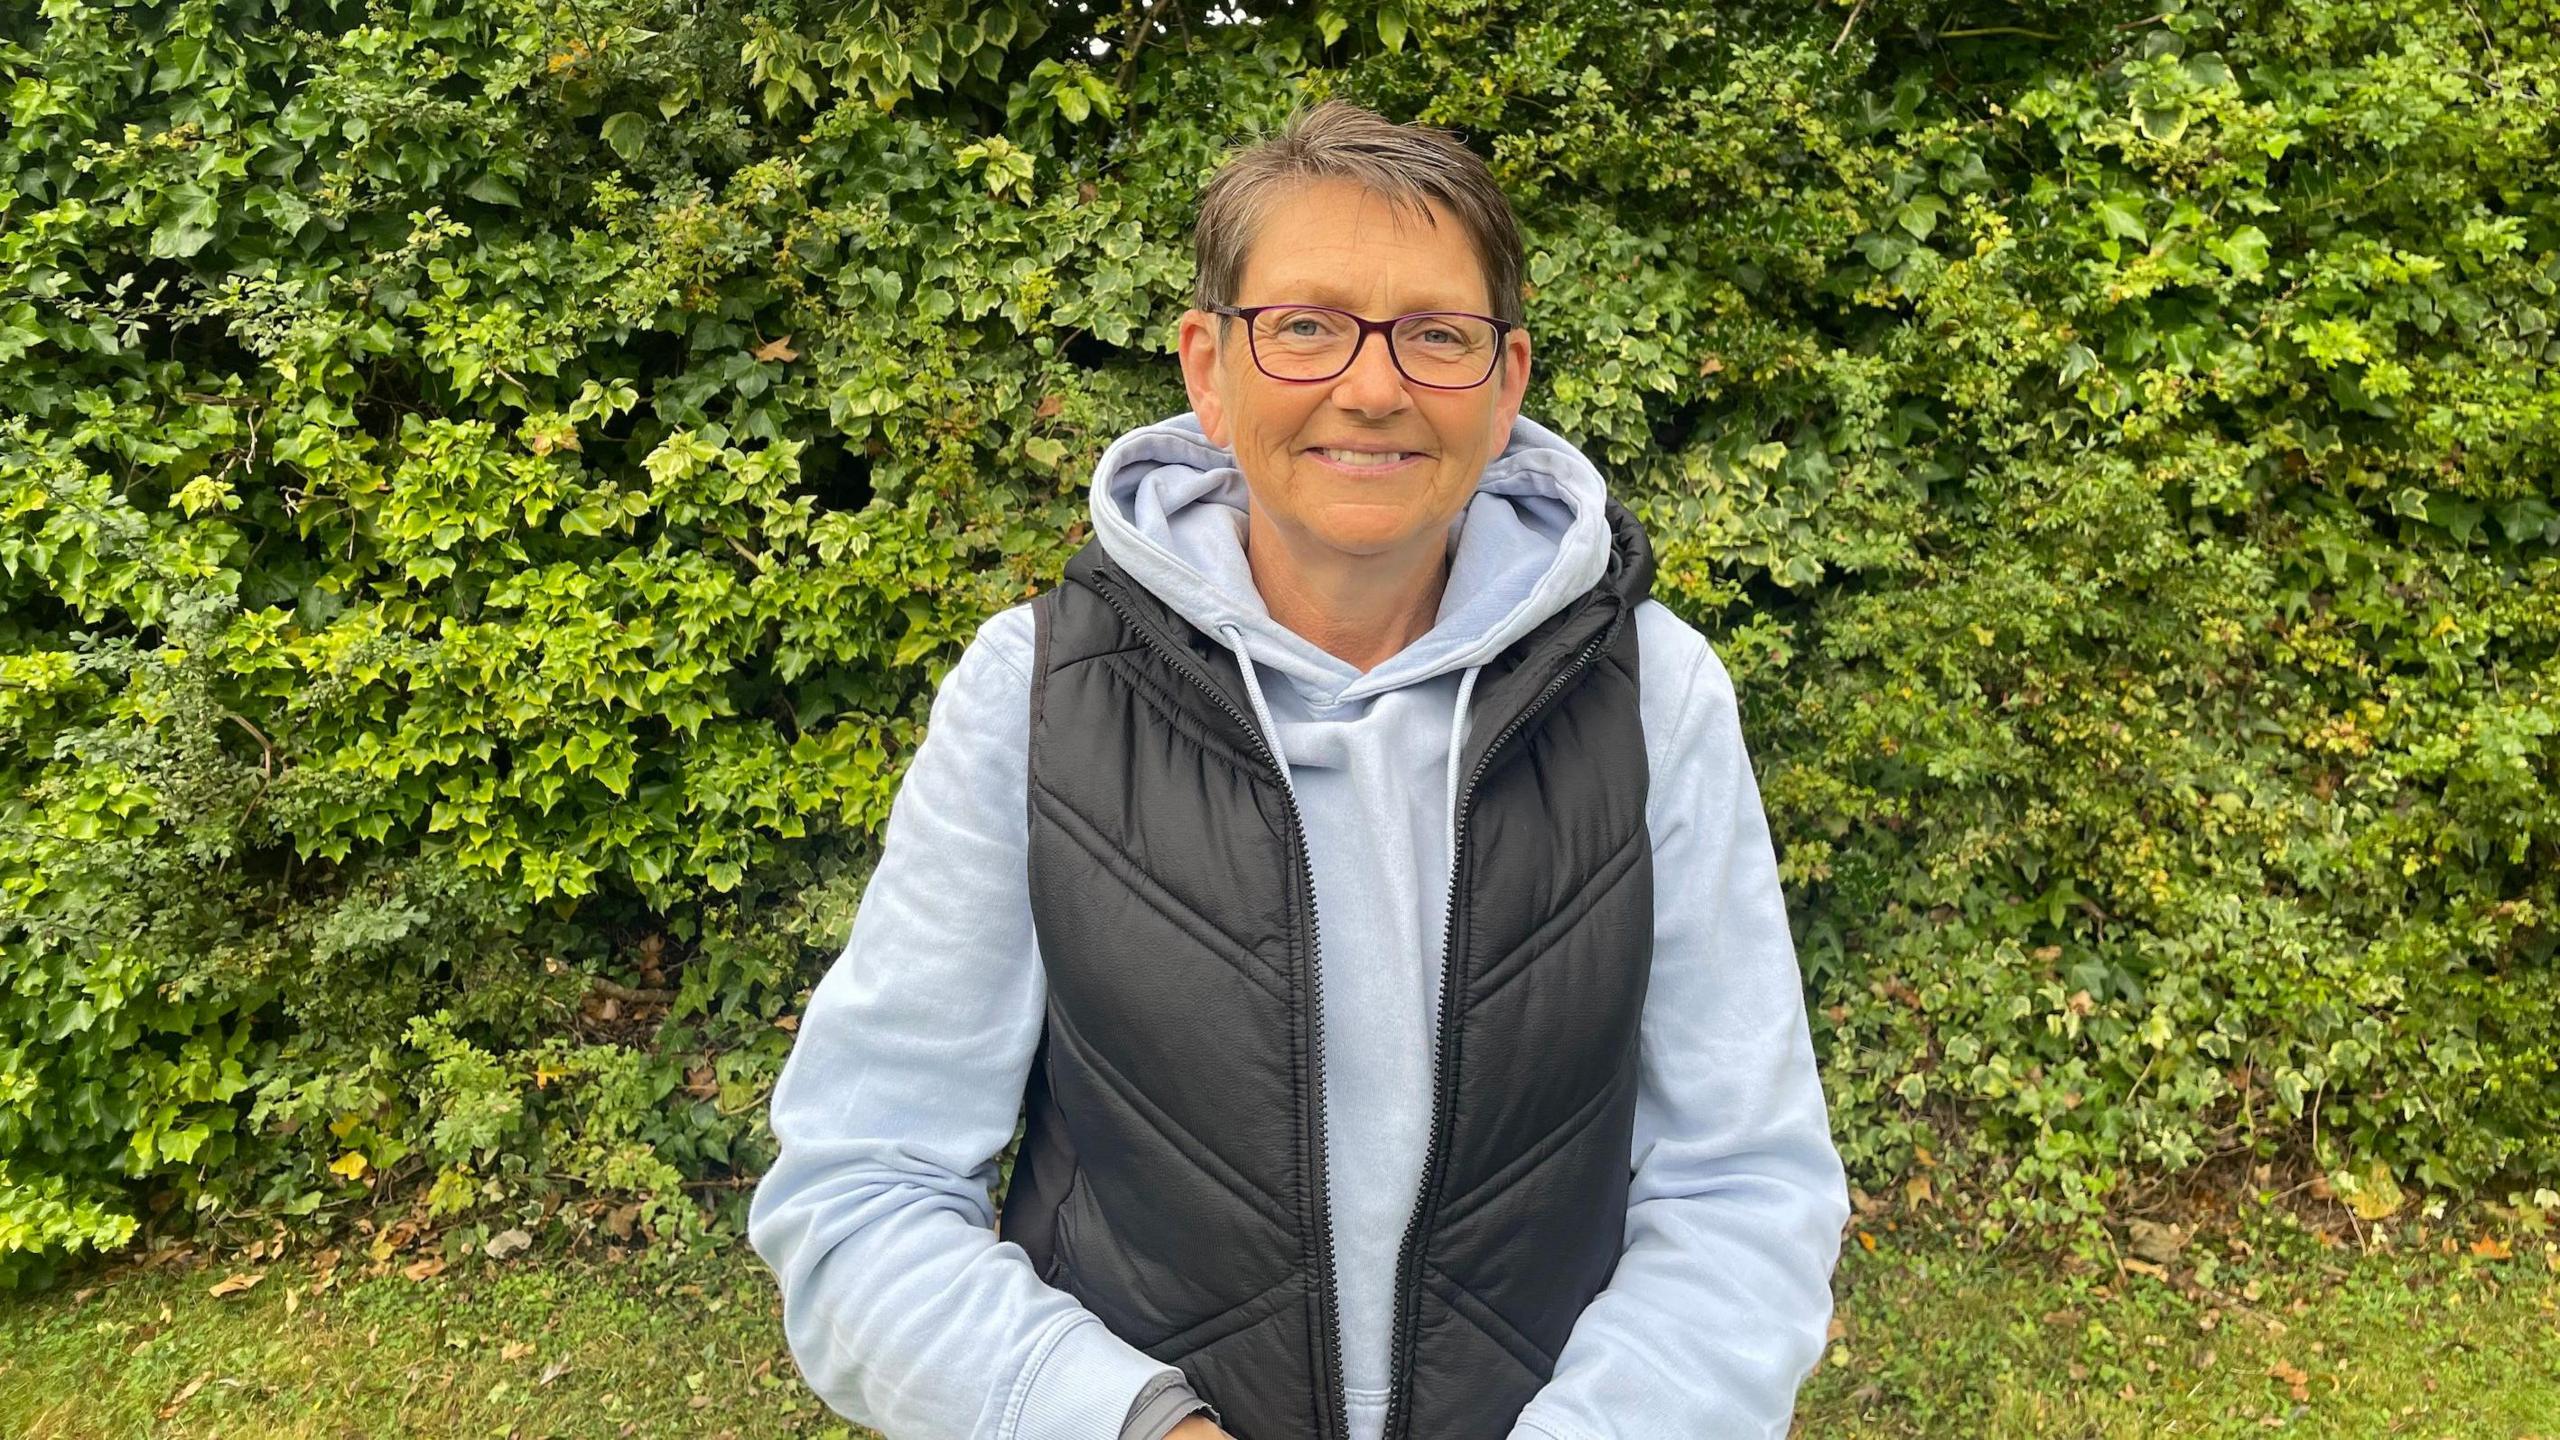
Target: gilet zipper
[[1329, 1318], [1409, 1254]]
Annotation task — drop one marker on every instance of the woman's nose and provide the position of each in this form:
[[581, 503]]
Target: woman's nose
[[1373, 383]]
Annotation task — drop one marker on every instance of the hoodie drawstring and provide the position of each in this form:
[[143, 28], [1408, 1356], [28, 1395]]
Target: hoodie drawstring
[[1233, 634], [1457, 747]]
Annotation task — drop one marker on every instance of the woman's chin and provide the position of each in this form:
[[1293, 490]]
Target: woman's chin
[[1370, 534]]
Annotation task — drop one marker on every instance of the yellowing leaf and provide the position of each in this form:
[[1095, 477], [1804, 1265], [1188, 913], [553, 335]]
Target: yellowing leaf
[[352, 1165], [2376, 1195]]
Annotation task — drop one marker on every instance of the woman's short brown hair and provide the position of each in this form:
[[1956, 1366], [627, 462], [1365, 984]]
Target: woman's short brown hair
[[1405, 165]]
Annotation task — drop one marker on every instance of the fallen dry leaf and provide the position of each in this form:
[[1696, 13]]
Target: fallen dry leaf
[[235, 1284], [618, 1224], [506, 1243], [2296, 1381], [515, 1349], [425, 1269], [2155, 1242], [2490, 1247], [777, 350], [185, 1393]]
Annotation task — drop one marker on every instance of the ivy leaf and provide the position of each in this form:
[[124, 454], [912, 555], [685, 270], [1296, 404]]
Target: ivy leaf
[[628, 133], [1391, 28], [1920, 215], [2244, 250], [494, 189], [190, 225], [2122, 215], [2161, 124]]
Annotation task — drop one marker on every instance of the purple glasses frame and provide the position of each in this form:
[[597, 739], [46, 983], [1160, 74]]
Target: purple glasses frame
[[1382, 328]]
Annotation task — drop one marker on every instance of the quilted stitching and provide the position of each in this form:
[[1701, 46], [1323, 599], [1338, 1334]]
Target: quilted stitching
[[1092, 839], [1189, 1146], [1596, 887]]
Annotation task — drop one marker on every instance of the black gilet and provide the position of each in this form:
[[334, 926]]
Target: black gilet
[[1171, 1174]]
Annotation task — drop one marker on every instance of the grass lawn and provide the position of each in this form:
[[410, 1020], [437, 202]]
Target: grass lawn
[[2277, 1331]]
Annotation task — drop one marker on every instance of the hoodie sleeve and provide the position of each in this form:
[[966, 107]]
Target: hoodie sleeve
[[1720, 1303], [903, 1308]]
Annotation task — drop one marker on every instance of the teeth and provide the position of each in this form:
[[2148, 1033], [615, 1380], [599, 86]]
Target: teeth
[[1363, 457]]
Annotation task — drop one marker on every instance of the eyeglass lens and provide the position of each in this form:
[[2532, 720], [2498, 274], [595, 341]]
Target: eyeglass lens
[[1435, 349]]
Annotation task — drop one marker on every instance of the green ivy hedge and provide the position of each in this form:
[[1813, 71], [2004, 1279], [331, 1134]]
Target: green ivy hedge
[[487, 488]]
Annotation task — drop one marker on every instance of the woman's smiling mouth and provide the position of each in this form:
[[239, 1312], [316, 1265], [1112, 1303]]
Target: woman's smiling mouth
[[1367, 462]]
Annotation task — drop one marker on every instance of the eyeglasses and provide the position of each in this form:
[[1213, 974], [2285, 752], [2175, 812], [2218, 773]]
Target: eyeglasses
[[1441, 349]]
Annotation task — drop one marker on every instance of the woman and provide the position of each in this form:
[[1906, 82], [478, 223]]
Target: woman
[[1363, 885]]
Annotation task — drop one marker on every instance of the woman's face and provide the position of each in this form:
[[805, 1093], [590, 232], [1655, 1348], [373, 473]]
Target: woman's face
[[1336, 243]]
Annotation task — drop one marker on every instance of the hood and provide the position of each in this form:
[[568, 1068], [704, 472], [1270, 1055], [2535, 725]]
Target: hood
[[1169, 508]]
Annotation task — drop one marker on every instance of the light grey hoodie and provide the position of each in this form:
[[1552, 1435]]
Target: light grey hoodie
[[907, 1313]]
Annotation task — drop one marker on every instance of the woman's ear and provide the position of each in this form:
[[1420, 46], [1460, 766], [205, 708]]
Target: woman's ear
[[1514, 383], [1198, 343]]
